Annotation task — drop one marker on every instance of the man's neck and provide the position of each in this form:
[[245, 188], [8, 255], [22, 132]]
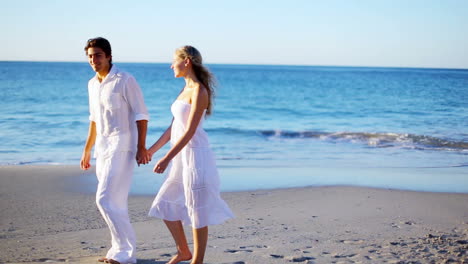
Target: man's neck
[[102, 74]]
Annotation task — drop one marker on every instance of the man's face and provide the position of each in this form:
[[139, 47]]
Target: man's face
[[98, 60]]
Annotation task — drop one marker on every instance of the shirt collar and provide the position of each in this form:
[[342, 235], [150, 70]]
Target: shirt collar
[[113, 71]]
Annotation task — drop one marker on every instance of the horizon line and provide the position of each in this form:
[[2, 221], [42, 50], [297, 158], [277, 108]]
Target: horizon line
[[252, 64]]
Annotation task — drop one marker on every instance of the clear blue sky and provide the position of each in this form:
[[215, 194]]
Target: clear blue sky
[[400, 33]]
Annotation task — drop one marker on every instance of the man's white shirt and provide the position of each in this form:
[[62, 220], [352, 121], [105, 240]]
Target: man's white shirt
[[115, 104]]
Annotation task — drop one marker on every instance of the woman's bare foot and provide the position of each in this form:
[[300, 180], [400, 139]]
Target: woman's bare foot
[[180, 257], [102, 259]]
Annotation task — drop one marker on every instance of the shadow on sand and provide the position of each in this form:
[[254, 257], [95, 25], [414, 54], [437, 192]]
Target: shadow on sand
[[153, 261], [150, 261]]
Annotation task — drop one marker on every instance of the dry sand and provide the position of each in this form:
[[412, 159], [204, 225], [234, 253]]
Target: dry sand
[[45, 218]]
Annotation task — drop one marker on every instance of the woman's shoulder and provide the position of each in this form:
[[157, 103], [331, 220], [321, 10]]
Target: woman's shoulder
[[200, 95], [199, 88]]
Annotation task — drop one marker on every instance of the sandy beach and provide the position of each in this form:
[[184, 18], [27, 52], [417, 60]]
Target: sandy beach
[[45, 217]]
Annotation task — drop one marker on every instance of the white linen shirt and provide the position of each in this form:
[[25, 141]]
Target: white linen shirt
[[115, 104]]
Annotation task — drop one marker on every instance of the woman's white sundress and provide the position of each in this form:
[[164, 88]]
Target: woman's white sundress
[[190, 192]]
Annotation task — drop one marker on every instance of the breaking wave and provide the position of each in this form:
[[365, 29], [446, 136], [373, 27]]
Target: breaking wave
[[381, 140]]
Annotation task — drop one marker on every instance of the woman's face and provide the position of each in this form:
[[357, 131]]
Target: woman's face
[[179, 66]]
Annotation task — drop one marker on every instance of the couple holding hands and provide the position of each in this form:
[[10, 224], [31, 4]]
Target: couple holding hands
[[118, 123]]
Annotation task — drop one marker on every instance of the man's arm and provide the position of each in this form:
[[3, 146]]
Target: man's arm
[[86, 157], [134, 96], [142, 156]]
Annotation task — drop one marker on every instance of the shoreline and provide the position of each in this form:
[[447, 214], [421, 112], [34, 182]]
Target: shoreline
[[46, 218], [251, 178]]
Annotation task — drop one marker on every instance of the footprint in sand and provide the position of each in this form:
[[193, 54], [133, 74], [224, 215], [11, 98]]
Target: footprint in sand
[[301, 259], [49, 260], [276, 256], [237, 251], [345, 256], [352, 241], [253, 246]]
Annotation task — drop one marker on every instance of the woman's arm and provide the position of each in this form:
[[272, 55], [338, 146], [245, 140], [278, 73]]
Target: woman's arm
[[163, 139], [199, 104]]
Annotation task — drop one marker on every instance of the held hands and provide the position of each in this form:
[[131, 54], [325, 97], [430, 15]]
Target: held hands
[[160, 167], [143, 156]]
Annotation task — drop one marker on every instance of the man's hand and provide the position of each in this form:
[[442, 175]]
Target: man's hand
[[85, 158], [143, 156]]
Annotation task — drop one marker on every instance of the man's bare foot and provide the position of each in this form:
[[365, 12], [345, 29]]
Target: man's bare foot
[[180, 257], [102, 259], [111, 261]]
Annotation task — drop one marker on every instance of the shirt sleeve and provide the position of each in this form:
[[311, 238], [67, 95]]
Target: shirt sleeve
[[134, 97]]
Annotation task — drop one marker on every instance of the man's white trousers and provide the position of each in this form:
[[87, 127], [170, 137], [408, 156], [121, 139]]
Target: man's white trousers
[[114, 175]]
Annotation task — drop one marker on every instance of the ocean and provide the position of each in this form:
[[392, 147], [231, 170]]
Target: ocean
[[273, 126]]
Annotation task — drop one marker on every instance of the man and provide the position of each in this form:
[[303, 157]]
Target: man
[[118, 125]]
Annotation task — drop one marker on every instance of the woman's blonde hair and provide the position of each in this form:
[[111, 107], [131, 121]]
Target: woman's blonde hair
[[201, 72]]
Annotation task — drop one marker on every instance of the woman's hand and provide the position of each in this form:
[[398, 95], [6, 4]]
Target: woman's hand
[[161, 166]]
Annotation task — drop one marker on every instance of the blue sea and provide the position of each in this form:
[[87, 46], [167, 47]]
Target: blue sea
[[272, 127]]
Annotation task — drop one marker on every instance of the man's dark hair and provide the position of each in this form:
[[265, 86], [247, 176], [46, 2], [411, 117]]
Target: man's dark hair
[[99, 43]]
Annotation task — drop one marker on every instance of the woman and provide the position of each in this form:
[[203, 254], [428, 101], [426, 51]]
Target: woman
[[190, 193]]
